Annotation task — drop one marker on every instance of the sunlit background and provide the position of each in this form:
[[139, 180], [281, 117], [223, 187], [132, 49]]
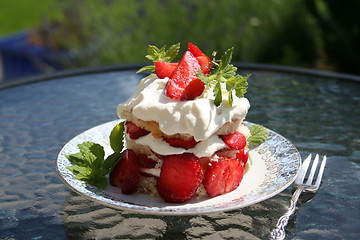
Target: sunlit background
[[47, 35]]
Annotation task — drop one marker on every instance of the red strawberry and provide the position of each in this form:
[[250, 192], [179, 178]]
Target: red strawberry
[[227, 153], [164, 69], [126, 173], [204, 161], [181, 143], [234, 140], [203, 60], [180, 177], [184, 84], [144, 161], [223, 176], [195, 50], [134, 131], [205, 64], [243, 155]]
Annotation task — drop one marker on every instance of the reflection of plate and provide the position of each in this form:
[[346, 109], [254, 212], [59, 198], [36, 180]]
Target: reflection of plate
[[275, 166]]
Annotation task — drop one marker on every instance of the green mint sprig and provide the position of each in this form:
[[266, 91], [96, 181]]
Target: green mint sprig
[[90, 165], [259, 134], [225, 74], [160, 54]]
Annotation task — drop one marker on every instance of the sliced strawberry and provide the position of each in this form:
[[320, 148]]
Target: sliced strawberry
[[227, 153], [164, 69], [223, 176], [243, 155], [204, 161], [203, 60], [126, 173], [234, 140], [135, 131], [181, 143], [205, 64], [184, 84], [180, 177], [195, 50], [144, 161]]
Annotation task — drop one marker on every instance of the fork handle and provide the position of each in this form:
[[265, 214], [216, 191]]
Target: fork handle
[[278, 232]]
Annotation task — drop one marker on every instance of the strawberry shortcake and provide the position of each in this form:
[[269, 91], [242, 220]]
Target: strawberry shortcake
[[184, 130]]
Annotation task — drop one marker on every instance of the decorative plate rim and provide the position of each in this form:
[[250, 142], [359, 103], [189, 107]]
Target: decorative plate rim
[[281, 160]]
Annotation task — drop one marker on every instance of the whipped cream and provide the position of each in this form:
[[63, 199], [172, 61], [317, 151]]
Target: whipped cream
[[205, 148], [199, 117]]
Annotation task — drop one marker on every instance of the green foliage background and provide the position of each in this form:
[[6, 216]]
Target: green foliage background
[[322, 34]]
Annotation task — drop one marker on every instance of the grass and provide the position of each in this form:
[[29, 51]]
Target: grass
[[112, 32], [24, 14], [306, 33]]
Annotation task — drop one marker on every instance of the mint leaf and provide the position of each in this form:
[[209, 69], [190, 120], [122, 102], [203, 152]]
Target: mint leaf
[[111, 160], [89, 147], [259, 134], [80, 172], [116, 137], [153, 53], [156, 54], [99, 181], [150, 68], [92, 153], [77, 159], [172, 52], [89, 164]]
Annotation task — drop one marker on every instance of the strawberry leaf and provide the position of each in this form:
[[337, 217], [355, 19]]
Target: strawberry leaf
[[225, 59], [225, 73], [217, 94]]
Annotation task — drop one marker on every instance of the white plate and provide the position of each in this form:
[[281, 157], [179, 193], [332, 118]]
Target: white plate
[[275, 166]]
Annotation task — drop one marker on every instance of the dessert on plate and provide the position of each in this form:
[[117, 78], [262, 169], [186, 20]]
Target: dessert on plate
[[182, 134], [184, 130]]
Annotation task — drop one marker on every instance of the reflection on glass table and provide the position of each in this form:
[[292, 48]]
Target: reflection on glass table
[[317, 112]]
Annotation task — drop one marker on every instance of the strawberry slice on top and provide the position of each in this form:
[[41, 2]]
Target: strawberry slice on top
[[204, 61], [164, 69], [184, 84]]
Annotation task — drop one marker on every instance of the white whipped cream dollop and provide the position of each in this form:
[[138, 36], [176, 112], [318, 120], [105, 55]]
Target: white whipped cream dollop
[[199, 117], [205, 148]]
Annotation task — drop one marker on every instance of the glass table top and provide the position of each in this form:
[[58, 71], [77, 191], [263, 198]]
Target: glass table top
[[317, 114]]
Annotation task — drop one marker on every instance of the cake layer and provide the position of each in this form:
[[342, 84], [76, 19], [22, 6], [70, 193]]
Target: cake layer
[[153, 127]]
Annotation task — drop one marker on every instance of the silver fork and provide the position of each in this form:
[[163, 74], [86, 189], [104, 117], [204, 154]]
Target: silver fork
[[301, 186]]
